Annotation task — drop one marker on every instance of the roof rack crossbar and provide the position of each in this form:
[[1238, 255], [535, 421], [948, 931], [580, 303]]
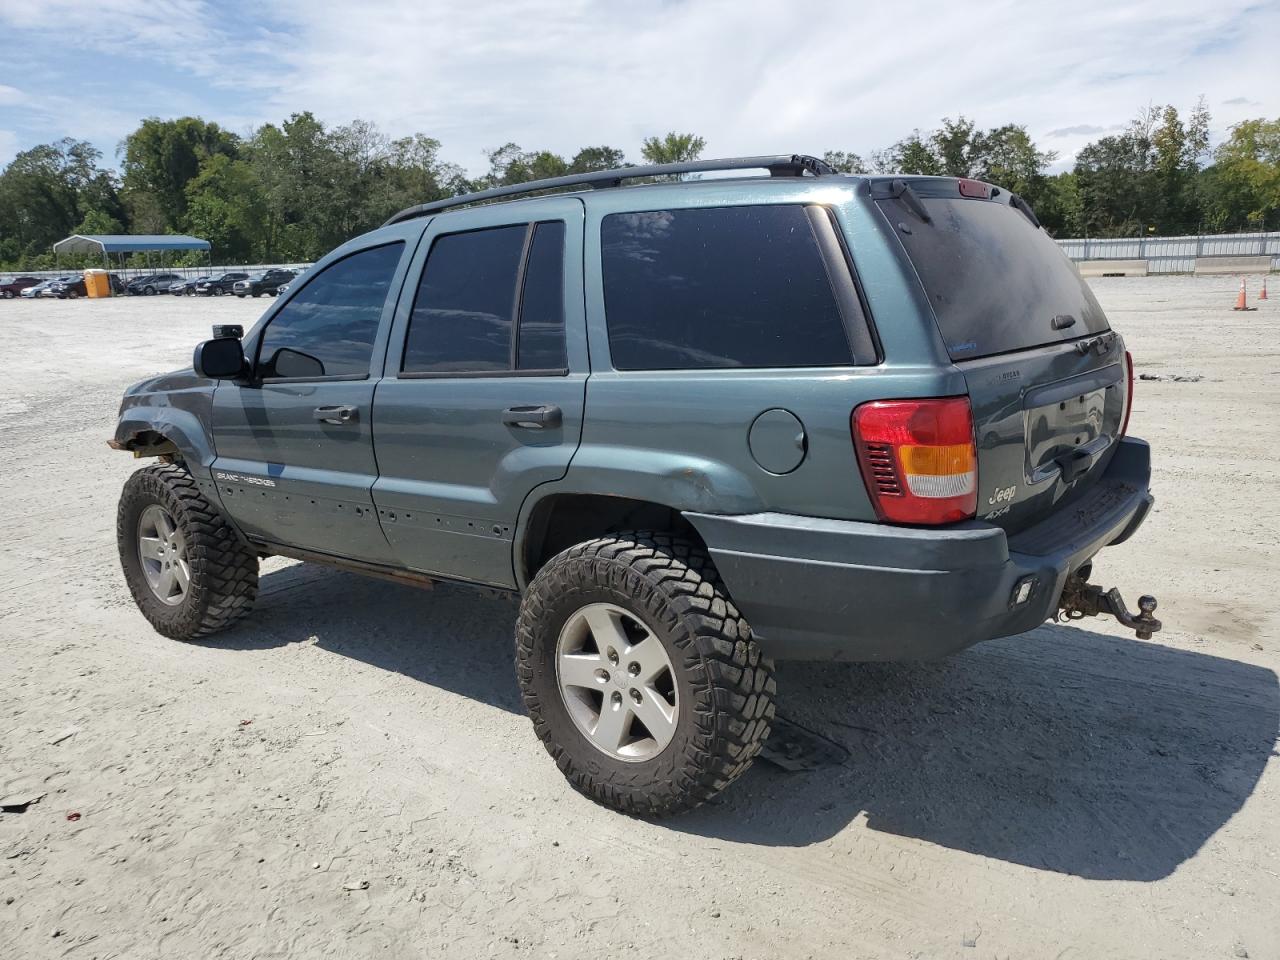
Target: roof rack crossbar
[[795, 165]]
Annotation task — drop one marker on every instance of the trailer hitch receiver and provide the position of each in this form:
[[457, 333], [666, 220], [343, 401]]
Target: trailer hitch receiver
[[1082, 599]]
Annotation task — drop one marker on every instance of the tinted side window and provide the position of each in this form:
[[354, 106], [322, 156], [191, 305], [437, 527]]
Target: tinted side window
[[541, 336], [479, 287], [463, 313], [719, 287], [328, 328]]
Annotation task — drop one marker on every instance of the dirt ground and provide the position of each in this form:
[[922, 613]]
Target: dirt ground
[[349, 774]]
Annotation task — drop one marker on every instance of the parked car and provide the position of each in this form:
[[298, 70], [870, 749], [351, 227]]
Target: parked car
[[675, 420], [68, 288], [12, 288], [151, 284], [219, 286], [267, 282], [55, 287], [186, 288], [298, 275], [35, 290]]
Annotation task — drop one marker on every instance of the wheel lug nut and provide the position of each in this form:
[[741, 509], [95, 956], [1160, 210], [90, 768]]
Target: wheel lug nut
[[616, 698], [602, 676], [633, 668], [613, 656], [635, 695]]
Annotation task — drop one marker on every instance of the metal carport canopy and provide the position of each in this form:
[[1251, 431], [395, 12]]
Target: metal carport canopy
[[127, 243]]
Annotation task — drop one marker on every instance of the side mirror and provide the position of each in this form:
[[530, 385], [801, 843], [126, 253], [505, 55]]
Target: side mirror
[[220, 359]]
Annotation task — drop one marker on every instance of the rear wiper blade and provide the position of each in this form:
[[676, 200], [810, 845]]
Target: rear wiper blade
[[1024, 208], [901, 190], [1063, 320]]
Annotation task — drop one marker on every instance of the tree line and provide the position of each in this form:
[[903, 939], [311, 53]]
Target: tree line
[[294, 190]]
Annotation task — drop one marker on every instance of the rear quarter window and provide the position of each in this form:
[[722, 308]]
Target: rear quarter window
[[719, 287]]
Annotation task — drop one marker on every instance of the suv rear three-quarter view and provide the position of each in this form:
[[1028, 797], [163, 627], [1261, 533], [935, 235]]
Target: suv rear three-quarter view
[[697, 426]]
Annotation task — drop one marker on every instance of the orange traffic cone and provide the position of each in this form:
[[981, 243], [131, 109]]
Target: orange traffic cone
[[1263, 294], [1242, 302]]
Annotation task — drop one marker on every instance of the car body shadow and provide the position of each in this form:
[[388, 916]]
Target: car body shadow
[[453, 637], [1063, 749]]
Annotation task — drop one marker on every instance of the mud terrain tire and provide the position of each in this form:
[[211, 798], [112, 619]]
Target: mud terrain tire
[[724, 687], [222, 582]]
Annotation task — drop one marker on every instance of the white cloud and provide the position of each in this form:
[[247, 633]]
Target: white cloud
[[752, 76]]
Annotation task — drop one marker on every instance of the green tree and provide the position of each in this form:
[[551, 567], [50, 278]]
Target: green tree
[[673, 148], [161, 157], [224, 206], [597, 158], [842, 162], [1245, 183], [912, 155], [49, 192]]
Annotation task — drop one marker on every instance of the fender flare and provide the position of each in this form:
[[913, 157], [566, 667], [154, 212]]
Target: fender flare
[[180, 427], [673, 480]]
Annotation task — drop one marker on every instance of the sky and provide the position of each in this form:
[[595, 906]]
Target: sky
[[751, 76]]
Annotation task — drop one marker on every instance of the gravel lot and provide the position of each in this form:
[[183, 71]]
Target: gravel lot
[[349, 774]]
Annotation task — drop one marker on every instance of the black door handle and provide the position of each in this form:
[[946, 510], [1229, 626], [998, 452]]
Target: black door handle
[[339, 415], [534, 418]]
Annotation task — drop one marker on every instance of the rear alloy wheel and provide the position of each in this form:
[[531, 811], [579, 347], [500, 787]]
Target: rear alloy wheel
[[189, 572], [616, 680], [8, 294], [149, 291], [218, 291], [640, 676]]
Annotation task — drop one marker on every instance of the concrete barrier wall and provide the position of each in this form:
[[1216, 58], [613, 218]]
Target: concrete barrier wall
[[1176, 254], [1122, 268], [1219, 265]]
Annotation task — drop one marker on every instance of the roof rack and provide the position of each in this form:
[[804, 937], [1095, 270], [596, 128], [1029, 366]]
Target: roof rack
[[796, 165]]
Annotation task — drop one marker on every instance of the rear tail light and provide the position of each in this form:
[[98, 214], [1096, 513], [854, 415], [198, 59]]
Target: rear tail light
[[1128, 396], [918, 459]]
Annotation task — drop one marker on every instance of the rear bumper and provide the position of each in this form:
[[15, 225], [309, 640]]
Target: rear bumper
[[817, 589]]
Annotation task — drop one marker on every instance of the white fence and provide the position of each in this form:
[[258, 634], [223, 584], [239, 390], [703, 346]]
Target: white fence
[[1176, 254]]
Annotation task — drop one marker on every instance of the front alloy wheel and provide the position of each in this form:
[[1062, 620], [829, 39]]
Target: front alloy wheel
[[189, 572], [162, 554]]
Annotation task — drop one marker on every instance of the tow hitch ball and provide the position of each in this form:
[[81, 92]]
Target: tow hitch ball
[[1082, 599]]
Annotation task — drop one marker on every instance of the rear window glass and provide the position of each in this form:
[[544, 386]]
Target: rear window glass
[[719, 287], [996, 282]]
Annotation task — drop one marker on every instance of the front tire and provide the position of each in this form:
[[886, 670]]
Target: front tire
[[218, 291], [641, 677], [189, 572]]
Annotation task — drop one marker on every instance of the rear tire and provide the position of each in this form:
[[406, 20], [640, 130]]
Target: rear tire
[[149, 291], [189, 572], [719, 689], [218, 291]]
